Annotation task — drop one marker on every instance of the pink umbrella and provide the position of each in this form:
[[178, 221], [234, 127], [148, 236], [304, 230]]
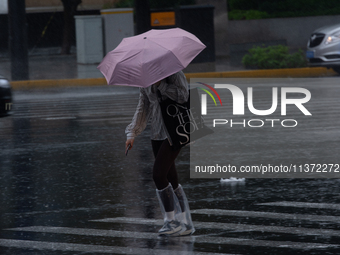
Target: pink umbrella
[[145, 59]]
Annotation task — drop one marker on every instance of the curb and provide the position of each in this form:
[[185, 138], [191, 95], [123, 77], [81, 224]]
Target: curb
[[307, 72], [273, 73]]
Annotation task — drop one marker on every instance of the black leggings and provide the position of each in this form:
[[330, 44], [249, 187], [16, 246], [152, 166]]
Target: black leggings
[[164, 170]]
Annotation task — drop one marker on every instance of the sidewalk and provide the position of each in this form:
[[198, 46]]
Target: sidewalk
[[53, 67], [63, 70], [66, 67]]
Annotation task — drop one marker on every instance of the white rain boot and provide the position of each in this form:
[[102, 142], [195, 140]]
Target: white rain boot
[[187, 225], [171, 211]]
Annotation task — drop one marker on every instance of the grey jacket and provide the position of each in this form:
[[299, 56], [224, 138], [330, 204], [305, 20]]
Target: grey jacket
[[148, 107]]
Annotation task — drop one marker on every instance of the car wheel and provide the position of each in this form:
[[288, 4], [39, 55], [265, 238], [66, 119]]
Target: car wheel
[[336, 69]]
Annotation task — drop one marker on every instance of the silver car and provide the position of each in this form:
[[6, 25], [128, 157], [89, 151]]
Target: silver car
[[323, 48]]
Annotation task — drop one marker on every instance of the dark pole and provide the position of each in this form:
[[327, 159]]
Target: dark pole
[[18, 39], [142, 16]]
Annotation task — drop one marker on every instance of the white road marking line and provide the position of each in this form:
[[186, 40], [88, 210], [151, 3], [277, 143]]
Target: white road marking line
[[233, 227], [304, 205], [195, 239], [115, 120], [57, 246], [269, 215], [60, 118]]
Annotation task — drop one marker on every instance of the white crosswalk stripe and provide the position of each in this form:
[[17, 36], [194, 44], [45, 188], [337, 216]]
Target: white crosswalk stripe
[[196, 239], [57, 246], [304, 205], [270, 215], [188, 242], [235, 227]]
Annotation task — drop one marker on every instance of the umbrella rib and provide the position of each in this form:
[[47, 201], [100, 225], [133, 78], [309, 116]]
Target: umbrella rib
[[180, 37]]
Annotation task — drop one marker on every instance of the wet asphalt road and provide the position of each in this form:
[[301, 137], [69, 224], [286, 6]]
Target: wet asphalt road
[[67, 187]]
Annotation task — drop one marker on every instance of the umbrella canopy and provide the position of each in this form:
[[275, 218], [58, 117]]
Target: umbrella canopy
[[145, 59]]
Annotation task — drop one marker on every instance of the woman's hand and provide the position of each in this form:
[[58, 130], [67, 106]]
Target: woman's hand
[[129, 142]]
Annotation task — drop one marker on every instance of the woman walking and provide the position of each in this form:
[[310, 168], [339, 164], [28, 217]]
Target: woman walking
[[172, 199], [142, 61]]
